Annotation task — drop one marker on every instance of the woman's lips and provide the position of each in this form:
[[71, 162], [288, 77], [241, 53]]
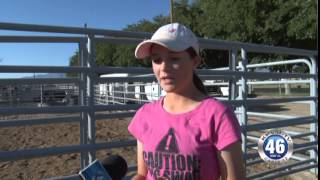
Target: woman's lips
[[167, 79]]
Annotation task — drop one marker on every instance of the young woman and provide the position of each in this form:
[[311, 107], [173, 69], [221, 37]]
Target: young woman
[[186, 134]]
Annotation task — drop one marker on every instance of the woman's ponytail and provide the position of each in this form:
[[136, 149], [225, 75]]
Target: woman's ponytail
[[196, 80], [199, 84]]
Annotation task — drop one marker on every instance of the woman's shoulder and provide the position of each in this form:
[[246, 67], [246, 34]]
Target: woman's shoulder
[[152, 105], [213, 103]]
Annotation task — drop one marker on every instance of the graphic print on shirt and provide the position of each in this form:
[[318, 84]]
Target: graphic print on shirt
[[168, 163], [168, 143]]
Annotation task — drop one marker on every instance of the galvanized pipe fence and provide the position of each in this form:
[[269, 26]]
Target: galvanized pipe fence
[[86, 85]]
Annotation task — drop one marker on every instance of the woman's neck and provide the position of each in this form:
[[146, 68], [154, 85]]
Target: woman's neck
[[183, 102]]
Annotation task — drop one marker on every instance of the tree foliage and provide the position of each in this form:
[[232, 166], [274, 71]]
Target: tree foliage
[[289, 23], [74, 61]]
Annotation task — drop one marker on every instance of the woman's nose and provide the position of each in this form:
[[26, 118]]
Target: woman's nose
[[165, 65]]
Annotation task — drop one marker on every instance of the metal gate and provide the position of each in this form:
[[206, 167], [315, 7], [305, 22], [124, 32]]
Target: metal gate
[[237, 78]]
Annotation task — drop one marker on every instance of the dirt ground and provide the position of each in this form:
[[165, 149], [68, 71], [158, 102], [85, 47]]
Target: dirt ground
[[54, 135]]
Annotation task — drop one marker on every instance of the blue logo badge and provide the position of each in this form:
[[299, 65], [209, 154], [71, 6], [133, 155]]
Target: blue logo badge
[[275, 146]]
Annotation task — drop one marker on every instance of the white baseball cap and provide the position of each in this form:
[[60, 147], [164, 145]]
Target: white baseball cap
[[176, 37]]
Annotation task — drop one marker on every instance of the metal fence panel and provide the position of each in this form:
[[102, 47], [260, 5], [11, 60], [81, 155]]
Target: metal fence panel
[[91, 100]]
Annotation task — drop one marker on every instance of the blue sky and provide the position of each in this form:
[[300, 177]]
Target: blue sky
[[105, 14]]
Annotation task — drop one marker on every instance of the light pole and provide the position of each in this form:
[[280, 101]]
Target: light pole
[[171, 11]]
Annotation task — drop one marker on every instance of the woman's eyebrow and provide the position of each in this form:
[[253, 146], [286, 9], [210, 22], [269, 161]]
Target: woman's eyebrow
[[174, 53]]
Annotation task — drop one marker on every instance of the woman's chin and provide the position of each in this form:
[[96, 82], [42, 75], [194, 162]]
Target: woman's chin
[[169, 88]]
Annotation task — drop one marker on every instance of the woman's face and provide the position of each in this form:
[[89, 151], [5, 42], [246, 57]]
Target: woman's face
[[174, 70]]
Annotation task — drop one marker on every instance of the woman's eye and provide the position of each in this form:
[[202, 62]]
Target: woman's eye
[[156, 60], [174, 58]]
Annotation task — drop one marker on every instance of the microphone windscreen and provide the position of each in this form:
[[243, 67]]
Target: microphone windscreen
[[116, 166]]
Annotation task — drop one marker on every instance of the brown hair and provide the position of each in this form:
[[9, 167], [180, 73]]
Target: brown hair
[[196, 80]]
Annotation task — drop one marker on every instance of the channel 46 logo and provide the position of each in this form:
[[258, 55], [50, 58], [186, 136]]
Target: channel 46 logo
[[275, 146]]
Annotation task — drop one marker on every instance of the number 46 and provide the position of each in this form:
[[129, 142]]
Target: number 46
[[277, 146]]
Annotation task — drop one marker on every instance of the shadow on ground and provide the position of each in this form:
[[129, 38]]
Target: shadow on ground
[[268, 108]]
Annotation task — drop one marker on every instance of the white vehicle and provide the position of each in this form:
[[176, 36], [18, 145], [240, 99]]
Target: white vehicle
[[148, 91], [224, 90], [129, 92], [214, 89], [153, 91], [109, 89], [122, 92]]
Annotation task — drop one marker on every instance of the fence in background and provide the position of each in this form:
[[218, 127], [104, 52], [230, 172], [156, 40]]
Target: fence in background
[[88, 104]]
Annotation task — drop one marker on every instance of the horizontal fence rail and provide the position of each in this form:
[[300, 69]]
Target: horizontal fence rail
[[205, 43]]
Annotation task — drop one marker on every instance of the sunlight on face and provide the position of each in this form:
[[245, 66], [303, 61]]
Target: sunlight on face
[[174, 70]]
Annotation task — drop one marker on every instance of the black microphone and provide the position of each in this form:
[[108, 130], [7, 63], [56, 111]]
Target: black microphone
[[111, 168], [116, 166]]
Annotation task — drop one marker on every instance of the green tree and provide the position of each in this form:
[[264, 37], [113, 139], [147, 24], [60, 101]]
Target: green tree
[[104, 54], [74, 61], [289, 23]]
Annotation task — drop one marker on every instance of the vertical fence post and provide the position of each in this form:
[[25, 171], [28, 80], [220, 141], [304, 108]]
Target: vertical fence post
[[83, 54], [159, 91], [107, 93], [124, 92], [313, 111], [232, 67], [243, 96], [41, 95], [112, 95], [90, 95]]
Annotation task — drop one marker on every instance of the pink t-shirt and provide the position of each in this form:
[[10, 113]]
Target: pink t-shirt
[[183, 146]]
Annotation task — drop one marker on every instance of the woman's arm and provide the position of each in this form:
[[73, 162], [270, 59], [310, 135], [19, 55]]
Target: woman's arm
[[231, 162], [142, 168]]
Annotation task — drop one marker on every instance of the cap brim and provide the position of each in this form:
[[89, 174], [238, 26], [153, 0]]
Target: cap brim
[[143, 49]]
